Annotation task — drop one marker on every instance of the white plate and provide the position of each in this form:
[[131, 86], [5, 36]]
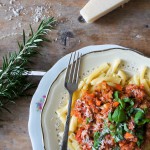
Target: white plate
[[54, 79]]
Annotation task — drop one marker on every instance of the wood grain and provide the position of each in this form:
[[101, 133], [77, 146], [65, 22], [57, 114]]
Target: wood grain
[[128, 26]]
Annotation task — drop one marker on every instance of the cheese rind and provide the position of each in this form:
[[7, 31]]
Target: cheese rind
[[95, 9]]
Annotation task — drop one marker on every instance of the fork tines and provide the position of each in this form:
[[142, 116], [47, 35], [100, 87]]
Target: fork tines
[[72, 74]]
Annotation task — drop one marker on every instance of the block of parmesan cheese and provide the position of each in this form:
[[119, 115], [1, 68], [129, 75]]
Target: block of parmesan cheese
[[95, 9]]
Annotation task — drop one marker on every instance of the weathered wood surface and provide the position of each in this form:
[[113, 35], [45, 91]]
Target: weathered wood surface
[[128, 26]]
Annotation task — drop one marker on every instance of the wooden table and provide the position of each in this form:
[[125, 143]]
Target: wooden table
[[128, 26]]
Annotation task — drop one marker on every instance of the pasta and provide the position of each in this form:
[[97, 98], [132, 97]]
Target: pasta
[[122, 76], [102, 68], [142, 74], [113, 67], [73, 124], [107, 75]]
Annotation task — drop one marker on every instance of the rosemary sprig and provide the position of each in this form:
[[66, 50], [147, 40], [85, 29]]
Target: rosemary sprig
[[13, 82]]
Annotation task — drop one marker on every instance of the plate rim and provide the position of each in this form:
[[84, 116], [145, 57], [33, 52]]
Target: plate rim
[[95, 51]]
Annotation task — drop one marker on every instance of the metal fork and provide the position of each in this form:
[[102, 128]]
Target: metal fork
[[71, 84]]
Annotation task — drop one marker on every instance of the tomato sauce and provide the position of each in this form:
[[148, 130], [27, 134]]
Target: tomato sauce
[[92, 111]]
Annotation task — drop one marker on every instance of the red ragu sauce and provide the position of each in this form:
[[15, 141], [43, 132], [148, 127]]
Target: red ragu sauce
[[112, 118]]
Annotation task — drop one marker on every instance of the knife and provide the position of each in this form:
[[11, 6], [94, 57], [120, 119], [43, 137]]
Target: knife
[[34, 73]]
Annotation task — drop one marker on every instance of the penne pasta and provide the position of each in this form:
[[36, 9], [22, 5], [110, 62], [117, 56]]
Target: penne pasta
[[143, 72], [136, 79], [131, 81], [123, 76], [114, 79], [85, 87], [96, 72], [75, 144], [63, 118], [111, 84], [81, 84], [146, 86], [113, 67], [73, 124], [147, 76], [70, 145], [98, 79]]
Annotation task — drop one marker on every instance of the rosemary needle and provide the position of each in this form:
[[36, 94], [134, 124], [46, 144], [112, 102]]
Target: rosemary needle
[[13, 83]]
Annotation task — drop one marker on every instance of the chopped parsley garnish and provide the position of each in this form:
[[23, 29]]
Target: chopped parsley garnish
[[118, 132], [139, 117], [118, 115], [123, 112], [88, 120], [99, 136], [96, 140]]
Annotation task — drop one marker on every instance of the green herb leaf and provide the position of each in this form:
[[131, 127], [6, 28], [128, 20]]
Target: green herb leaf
[[99, 136], [119, 115], [112, 127], [119, 132], [116, 96], [139, 118], [118, 137], [110, 117], [96, 140], [144, 121], [128, 100], [88, 120], [126, 128]]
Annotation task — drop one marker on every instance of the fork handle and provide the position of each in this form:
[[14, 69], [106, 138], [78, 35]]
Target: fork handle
[[65, 135]]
